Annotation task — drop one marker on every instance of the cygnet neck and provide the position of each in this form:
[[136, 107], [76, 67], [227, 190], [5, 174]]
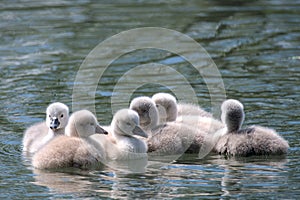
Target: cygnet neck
[[233, 115]]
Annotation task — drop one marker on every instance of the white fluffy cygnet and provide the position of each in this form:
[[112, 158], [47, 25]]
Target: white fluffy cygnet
[[73, 149], [253, 140], [36, 136], [122, 143]]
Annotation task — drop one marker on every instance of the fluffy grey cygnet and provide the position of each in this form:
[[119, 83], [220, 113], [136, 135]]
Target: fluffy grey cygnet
[[207, 130], [253, 140], [166, 138], [73, 149], [36, 136]]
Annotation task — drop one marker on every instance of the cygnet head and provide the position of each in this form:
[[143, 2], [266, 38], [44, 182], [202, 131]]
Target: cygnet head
[[83, 124], [232, 114], [126, 123], [57, 116], [147, 111], [166, 105]]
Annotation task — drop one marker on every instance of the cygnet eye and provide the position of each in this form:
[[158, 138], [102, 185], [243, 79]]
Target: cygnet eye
[[92, 124], [49, 116], [62, 115], [128, 123]]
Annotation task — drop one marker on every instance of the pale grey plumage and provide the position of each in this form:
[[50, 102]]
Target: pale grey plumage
[[174, 138], [191, 109]]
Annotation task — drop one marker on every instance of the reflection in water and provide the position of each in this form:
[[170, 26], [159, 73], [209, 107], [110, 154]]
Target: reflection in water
[[77, 182], [128, 166], [214, 176], [62, 182], [255, 174]]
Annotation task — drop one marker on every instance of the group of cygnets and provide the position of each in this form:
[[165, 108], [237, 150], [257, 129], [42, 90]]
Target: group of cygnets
[[156, 125]]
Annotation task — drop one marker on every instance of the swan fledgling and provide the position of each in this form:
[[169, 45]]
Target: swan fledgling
[[191, 109], [73, 149], [166, 105], [207, 130], [167, 138], [254, 140], [147, 111], [124, 145], [57, 116]]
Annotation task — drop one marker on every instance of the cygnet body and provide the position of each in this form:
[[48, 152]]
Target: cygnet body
[[124, 145], [175, 138], [206, 124], [73, 149], [254, 140], [36, 136]]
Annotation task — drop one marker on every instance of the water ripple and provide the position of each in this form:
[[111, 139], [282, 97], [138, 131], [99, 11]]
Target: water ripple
[[254, 44]]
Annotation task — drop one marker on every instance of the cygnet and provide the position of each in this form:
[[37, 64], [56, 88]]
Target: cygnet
[[123, 145], [57, 116], [193, 116], [167, 138], [73, 149], [253, 140]]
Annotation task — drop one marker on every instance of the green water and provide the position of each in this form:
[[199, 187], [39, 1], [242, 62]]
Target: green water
[[255, 45]]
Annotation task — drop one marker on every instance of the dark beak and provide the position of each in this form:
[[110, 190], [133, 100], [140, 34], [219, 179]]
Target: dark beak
[[54, 124], [139, 131], [100, 130]]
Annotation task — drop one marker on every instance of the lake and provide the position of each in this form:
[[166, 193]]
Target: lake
[[100, 55]]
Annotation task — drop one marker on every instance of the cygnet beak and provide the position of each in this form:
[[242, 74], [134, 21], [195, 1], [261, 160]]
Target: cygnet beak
[[139, 131], [100, 130], [54, 123]]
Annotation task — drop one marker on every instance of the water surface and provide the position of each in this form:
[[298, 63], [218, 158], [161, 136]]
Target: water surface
[[254, 44]]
